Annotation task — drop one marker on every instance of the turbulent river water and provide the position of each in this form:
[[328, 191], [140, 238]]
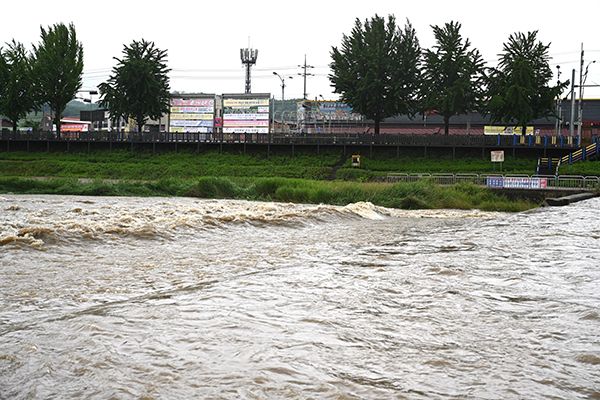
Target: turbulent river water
[[176, 298]]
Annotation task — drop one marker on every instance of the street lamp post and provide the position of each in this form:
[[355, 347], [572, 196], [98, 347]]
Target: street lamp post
[[282, 99]]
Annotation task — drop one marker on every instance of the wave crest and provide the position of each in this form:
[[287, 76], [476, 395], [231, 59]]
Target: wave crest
[[35, 220]]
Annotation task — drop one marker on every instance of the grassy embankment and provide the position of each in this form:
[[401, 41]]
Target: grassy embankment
[[304, 178]]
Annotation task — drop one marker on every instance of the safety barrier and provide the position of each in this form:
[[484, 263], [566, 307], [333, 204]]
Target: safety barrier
[[348, 138], [522, 181]]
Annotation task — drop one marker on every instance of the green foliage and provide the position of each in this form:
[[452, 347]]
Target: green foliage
[[265, 188], [4, 78], [452, 74], [17, 89], [377, 69], [255, 177], [33, 124], [139, 84], [123, 164], [214, 188], [354, 174], [518, 89], [418, 195], [435, 164], [581, 168], [58, 68]]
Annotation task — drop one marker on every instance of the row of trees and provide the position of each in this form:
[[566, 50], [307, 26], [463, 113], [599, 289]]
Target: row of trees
[[48, 75], [51, 75], [381, 71]]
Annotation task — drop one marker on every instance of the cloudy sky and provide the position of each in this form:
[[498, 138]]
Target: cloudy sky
[[203, 38]]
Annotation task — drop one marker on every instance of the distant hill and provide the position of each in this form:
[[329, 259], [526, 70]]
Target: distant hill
[[72, 110]]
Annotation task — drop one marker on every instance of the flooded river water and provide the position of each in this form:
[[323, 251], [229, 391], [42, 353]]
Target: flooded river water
[[176, 298]]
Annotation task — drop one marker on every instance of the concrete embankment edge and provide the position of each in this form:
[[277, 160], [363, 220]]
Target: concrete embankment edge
[[566, 200]]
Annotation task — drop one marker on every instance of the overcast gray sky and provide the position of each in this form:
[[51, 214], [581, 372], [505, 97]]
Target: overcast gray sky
[[203, 38]]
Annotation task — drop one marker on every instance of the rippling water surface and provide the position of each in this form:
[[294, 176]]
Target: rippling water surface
[[152, 298]]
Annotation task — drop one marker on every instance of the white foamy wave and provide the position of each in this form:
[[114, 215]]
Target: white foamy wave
[[449, 213], [35, 220], [367, 210], [371, 211], [15, 238]]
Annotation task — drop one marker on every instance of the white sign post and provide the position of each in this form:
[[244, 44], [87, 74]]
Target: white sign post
[[497, 156]]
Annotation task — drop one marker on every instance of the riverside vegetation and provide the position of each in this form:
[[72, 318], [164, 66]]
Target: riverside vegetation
[[305, 178]]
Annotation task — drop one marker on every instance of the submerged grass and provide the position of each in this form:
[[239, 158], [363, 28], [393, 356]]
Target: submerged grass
[[417, 195]]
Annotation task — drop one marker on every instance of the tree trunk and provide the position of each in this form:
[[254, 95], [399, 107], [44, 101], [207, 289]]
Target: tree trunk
[[57, 123], [446, 124], [377, 122]]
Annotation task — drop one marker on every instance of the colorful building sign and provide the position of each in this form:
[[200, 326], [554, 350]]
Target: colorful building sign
[[246, 115], [507, 130], [517, 182], [326, 111], [192, 115]]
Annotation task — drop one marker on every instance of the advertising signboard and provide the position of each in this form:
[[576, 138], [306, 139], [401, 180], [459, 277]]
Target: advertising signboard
[[517, 182], [246, 115], [193, 115], [506, 130], [326, 111]]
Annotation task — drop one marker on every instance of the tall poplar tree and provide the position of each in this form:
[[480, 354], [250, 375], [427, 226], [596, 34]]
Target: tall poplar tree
[[139, 84], [518, 88], [453, 74], [58, 68], [377, 69], [17, 96], [3, 81]]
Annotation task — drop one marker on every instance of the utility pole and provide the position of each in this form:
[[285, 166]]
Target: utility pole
[[580, 95], [558, 105], [304, 103], [305, 74], [571, 126]]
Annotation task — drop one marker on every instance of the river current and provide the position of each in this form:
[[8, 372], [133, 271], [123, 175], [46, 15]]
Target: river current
[[177, 298]]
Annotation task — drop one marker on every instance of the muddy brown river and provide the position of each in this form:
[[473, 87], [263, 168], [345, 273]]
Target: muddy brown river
[[176, 298]]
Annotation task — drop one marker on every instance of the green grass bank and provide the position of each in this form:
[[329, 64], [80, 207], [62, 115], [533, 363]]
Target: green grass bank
[[305, 178]]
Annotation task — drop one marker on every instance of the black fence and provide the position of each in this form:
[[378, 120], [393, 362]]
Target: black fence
[[359, 139]]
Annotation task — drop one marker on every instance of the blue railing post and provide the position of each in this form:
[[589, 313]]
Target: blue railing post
[[546, 141], [530, 137], [514, 139], [561, 140], [498, 139]]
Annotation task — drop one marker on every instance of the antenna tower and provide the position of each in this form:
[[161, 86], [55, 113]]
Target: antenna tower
[[248, 59]]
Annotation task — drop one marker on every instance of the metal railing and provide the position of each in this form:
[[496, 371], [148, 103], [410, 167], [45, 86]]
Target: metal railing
[[570, 182], [347, 138]]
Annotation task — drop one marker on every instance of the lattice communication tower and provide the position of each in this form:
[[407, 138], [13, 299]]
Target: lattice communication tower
[[249, 57]]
